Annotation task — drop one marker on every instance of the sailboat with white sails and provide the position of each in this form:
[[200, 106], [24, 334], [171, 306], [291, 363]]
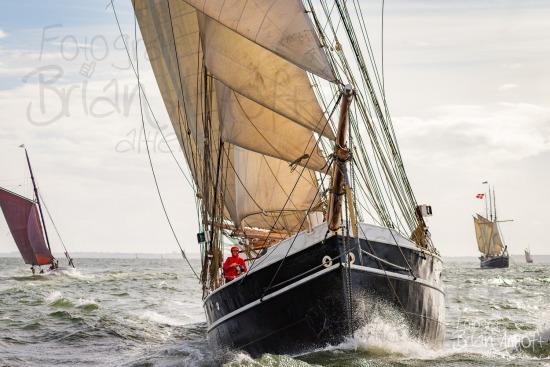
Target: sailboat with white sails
[[494, 253], [281, 116]]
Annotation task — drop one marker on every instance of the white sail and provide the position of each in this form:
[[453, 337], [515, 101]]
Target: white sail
[[254, 127], [281, 26], [278, 120], [176, 58], [269, 195], [261, 76]]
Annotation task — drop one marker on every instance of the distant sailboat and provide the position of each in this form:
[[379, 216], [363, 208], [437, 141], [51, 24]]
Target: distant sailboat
[[494, 254], [528, 257], [26, 223]]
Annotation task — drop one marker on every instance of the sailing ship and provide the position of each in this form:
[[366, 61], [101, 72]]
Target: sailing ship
[[494, 253], [26, 222], [528, 257], [281, 116]]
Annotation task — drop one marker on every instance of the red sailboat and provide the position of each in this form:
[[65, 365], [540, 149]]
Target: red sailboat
[[26, 223]]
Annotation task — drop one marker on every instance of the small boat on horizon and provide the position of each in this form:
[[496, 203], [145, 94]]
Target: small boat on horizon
[[528, 257], [26, 222]]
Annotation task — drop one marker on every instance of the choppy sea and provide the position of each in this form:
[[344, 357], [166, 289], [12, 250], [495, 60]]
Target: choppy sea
[[148, 312]]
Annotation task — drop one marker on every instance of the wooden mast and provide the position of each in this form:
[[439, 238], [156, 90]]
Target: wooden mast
[[341, 156], [37, 200]]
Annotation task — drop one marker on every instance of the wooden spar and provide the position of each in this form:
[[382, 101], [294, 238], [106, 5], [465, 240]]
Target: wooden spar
[[341, 156], [257, 238]]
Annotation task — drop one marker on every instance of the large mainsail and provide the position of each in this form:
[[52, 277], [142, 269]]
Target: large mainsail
[[201, 64], [24, 223], [487, 236]]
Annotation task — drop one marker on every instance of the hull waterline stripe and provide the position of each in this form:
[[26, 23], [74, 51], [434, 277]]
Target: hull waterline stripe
[[396, 276], [385, 262]]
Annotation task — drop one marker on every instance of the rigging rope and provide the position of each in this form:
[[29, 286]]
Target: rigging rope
[[56, 231], [382, 42], [310, 206], [147, 147], [145, 96]]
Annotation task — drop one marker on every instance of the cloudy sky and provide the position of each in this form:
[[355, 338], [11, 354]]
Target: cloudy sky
[[467, 83]]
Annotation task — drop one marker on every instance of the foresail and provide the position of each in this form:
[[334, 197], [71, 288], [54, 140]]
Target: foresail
[[24, 223], [281, 26], [478, 235]]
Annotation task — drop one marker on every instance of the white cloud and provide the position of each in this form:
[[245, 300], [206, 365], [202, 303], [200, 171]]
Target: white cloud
[[448, 155], [463, 134], [516, 65], [506, 87], [421, 43], [3, 34]]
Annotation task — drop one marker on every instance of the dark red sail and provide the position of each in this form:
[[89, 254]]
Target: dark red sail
[[22, 217]]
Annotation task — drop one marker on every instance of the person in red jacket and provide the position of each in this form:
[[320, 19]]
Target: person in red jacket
[[233, 265]]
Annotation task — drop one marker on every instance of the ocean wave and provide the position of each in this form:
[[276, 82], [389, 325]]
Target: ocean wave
[[53, 297], [87, 304], [160, 319], [506, 282], [535, 345], [268, 360]]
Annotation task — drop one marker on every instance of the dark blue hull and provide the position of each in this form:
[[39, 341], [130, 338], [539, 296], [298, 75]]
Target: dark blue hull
[[495, 262], [298, 304]]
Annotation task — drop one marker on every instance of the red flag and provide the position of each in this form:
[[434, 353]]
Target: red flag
[[480, 196]]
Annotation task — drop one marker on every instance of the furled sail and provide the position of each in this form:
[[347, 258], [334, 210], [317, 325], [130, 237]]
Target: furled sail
[[24, 223]]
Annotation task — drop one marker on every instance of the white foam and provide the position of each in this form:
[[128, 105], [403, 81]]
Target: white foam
[[386, 332], [160, 319], [500, 281], [53, 296], [389, 336]]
